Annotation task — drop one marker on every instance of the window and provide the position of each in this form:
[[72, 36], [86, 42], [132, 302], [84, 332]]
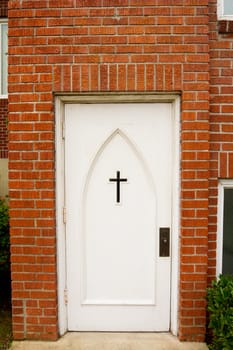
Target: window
[[225, 228], [225, 9], [3, 57]]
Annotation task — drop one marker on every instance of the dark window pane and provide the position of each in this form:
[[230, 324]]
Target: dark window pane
[[227, 263]]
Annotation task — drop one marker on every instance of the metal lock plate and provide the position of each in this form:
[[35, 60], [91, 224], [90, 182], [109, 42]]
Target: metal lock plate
[[164, 241]]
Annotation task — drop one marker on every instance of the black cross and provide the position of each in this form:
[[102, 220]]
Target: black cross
[[118, 180]]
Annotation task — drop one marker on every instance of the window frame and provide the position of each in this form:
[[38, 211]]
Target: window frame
[[220, 11], [223, 184], [2, 95]]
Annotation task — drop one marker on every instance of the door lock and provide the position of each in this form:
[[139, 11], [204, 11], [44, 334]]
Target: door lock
[[164, 241]]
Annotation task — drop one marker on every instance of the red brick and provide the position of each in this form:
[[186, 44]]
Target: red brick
[[101, 45]]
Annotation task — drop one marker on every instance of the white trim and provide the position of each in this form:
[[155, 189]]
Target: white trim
[[2, 21], [226, 183], [60, 226], [220, 12], [60, 102], [175, 257]]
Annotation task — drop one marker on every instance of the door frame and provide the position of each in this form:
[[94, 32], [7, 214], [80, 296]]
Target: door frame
[[60, 101]]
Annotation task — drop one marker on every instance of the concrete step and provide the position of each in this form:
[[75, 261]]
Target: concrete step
[[111, 341]]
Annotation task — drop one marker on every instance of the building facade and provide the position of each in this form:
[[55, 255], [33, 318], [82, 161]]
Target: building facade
[[150, 86]]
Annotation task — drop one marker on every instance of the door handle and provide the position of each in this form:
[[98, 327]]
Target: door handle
[[164, 241]]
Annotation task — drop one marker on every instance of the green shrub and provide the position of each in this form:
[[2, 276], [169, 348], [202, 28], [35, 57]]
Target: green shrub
[[4, 237], [220, 307]]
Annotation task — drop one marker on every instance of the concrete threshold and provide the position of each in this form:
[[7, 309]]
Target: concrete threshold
[[111, 341]]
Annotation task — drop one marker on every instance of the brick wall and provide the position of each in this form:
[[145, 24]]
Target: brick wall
[[102, 45], [221, 118], [3, 102], [3, 128], [3, 8]]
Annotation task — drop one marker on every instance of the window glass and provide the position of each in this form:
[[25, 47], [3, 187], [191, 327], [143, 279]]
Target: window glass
[[4, 49], [227, 257], [228, 7]]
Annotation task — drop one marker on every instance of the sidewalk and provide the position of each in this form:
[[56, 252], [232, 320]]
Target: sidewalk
[[111, 341]]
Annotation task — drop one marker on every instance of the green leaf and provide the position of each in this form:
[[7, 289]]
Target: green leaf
[[220, 307], [4, 236]]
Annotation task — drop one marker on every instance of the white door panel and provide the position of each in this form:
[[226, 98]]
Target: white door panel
[[118, 164]]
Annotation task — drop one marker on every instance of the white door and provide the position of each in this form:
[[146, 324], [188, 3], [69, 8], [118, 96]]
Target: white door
[[118, 165]]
